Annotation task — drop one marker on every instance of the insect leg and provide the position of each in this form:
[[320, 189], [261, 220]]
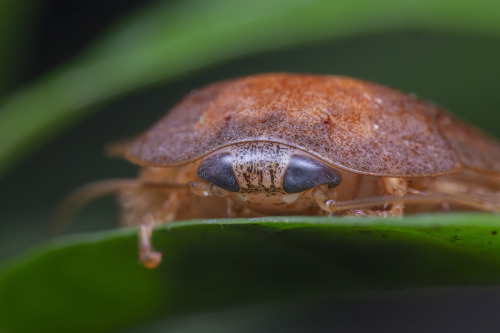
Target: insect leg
[[74, 202], [80, 197], [149, 206], [395, 187], [147, 255], [160, 212]]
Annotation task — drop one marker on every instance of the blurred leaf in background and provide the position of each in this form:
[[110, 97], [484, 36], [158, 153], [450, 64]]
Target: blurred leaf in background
[[168, 39], [17, 26], [133, 70]]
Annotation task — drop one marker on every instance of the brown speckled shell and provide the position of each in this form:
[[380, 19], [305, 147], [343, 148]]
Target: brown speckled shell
[[351, 124]]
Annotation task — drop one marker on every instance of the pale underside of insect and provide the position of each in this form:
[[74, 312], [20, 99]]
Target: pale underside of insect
[[289, 144]]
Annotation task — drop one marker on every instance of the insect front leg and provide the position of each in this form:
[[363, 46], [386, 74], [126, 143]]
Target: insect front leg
[[156, 215], [180, 204], [147, 207], [147, 255]]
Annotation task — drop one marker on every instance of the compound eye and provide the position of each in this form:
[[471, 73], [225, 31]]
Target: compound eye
[[304, 173], [217, 169]]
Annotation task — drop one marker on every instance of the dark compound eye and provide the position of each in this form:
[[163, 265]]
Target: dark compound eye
[[304, 173], [217, 170]]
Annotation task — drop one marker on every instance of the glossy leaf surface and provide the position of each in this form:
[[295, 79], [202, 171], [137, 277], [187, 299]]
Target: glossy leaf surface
[[94, 280]]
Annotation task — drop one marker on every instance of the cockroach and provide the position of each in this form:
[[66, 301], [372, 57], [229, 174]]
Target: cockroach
[[283, 144]]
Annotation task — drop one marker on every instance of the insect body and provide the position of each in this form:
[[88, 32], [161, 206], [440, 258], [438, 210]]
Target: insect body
[[302, 144]]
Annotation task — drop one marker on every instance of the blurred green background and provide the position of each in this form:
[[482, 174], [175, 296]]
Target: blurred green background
[[77, 75]]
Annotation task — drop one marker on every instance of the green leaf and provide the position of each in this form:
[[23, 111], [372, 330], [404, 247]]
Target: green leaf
[[17, 18], [94, 283], [170, 39]]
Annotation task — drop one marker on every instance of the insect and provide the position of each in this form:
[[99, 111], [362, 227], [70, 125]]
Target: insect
[[282, 144]]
